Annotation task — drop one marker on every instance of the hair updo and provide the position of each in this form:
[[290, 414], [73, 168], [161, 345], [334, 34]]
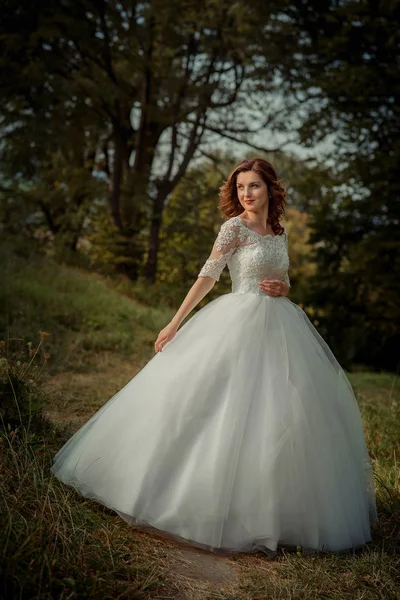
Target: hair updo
[[229, 203]]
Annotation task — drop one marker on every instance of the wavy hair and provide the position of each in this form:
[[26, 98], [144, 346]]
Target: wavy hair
[[229, 203]]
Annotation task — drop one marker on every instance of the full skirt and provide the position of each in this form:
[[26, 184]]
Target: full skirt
[[243, 434]]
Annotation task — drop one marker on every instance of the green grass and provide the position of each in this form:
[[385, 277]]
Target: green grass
[[56, 544], [53, 543], [81, 311]]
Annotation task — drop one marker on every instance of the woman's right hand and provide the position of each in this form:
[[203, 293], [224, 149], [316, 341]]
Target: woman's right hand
[[199, 289], [165, 336]]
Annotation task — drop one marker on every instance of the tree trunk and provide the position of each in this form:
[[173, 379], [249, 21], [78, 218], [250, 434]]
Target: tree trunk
[[117, 179], [155, 228]]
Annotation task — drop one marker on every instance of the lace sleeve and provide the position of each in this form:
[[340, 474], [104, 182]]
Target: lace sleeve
[[224, 246]]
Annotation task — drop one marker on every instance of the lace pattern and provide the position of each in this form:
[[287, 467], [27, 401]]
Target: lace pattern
[[249, 255], [213, 267], [230, 232]]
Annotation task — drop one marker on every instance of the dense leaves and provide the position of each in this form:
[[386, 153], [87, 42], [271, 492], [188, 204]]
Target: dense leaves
[[127, 91], [341, 61], [107, 106]]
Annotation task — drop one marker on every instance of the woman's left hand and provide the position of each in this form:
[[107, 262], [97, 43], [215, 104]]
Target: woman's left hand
[[274, 287]]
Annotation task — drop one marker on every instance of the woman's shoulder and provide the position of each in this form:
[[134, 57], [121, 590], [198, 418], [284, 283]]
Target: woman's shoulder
[[230, 233], [232, 222], [237, 224], [231, 226]]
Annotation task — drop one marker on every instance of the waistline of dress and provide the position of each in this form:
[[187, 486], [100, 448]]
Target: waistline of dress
[[260, 293]]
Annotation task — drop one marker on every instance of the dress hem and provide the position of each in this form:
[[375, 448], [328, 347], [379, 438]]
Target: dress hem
[[250, 547]]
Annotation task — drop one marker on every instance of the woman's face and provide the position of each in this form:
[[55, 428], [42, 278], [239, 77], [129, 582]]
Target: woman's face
[[252, 191]]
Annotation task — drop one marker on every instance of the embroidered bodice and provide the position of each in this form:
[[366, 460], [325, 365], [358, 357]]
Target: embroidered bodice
[[249, 255]]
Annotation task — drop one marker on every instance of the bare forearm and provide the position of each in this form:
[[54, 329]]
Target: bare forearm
[[199, 289]]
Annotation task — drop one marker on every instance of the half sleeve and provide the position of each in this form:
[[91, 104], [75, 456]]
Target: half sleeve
[[224, 246]]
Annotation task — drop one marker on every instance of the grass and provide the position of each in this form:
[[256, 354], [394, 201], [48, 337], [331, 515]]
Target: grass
[[56, 544], [81, 311]]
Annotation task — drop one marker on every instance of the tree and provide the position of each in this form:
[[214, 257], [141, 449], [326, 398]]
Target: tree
[[161, 76], [190, 226], [50, 138], [340, 60]]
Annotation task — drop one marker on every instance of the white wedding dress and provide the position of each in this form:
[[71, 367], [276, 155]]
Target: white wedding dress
[[244, 433]]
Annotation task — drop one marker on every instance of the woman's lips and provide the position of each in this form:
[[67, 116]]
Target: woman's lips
[[249, 201]]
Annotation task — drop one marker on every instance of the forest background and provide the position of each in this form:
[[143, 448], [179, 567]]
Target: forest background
[[120, 120]]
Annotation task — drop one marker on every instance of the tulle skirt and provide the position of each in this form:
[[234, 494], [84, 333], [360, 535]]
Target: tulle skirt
[[243, 434]]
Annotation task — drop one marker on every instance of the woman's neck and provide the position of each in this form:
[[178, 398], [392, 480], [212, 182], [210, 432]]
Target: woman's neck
[[257, 218]]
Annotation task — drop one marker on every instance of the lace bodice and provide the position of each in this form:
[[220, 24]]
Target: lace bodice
[[249, 255]]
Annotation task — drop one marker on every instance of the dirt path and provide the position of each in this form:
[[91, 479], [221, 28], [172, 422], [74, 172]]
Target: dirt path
[[201, 573], [72, 399]]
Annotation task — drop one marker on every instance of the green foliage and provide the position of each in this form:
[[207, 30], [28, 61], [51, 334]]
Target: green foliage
[[21, 400], [53, 193], [190, 226], [357, 285], [80, 311], [114, 89], [53, 544], [342, 60], [301, 254], [109, 251]]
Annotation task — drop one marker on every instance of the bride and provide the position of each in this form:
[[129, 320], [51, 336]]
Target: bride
[[242, 433]]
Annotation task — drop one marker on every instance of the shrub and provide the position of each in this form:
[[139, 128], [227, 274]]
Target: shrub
[[21, 400]]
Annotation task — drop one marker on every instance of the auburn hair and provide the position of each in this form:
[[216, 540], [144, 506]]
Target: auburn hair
[[229, 203]]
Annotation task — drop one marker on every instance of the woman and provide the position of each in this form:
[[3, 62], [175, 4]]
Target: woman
[[242, 433]]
